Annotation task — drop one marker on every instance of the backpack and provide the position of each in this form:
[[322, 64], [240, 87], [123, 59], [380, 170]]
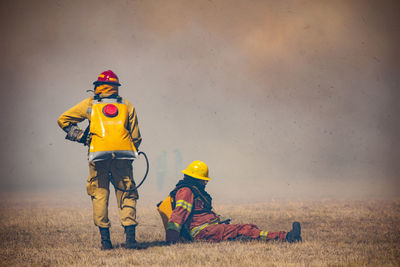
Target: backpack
[[110, 137], [165, 209]]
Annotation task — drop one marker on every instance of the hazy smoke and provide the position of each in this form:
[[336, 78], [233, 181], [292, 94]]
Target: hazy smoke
[[279, 98]]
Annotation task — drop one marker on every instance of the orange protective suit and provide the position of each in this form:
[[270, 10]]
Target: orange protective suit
[[204, 223]]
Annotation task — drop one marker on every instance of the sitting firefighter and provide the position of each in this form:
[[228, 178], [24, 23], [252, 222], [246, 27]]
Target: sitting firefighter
[[192, 217]]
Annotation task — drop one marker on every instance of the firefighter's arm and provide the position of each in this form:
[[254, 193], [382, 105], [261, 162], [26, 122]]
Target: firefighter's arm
[[183, 208], [69, 119], [133, 126]]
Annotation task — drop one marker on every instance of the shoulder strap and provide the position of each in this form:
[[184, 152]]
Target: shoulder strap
[[196, 193], [118, 98]]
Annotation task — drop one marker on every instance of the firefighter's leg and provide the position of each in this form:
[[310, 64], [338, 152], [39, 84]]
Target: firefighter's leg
[[267, 236], [292, 236], [98, 189], [220, 232], [123, 178]]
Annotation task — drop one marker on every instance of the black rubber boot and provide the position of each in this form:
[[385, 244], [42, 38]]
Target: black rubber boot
[[295, 234], [130, 232], [105, 239]]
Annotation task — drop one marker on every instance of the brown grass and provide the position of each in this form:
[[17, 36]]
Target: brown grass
[[54, 231]]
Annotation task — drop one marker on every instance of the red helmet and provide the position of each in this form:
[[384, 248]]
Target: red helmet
[[107, 76]]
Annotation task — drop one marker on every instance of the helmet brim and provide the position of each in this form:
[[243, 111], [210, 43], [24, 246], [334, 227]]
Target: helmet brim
[[111, 83], [195, 176]]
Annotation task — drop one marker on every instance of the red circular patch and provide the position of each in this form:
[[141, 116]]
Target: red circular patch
[[110, 110]]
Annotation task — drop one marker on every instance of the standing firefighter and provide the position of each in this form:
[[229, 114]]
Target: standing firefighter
[[113, 141], [192, 216]]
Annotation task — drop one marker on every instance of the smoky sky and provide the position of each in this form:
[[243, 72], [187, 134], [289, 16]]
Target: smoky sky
[[279, 98]]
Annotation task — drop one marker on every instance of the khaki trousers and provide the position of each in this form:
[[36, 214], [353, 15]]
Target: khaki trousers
[[98, 188]]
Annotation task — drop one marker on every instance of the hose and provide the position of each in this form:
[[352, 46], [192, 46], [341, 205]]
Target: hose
[[141, 182]]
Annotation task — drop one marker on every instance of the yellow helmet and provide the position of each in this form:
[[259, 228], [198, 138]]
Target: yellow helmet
[[197, 169]]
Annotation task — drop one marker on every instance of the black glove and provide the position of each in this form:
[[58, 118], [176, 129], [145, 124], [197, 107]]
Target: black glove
[[75, 134], [171, 236]]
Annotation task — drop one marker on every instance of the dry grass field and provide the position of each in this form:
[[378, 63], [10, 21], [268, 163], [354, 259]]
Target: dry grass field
[[53, 231]]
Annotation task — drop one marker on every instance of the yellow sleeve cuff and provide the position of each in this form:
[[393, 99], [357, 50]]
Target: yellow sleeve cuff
[[174, 226]]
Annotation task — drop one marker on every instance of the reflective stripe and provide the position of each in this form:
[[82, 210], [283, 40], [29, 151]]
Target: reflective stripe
[[182, 203], [263, 234], [174, 226], [118, 154], [197, 229]]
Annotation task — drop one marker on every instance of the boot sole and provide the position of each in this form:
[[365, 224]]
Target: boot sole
[[297, 231]]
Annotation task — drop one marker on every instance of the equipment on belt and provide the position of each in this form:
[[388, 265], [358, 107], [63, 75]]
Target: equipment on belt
[[227, 221]]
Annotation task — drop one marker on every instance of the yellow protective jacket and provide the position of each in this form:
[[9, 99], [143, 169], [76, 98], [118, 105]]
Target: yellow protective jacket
[[83, 110]]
